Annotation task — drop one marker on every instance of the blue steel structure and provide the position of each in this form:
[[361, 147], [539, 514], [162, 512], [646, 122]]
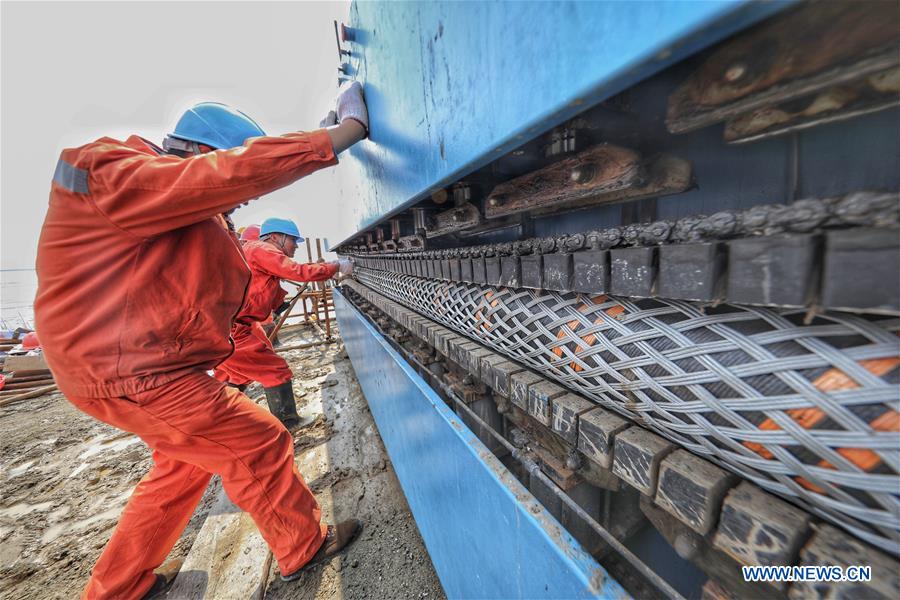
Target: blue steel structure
[[453, 85], [486, 534]]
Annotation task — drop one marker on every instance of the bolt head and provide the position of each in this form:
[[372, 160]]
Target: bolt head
[[582, 174], [735, 71]]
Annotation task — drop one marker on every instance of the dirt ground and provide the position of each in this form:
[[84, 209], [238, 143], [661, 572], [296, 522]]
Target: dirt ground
[[65, 478]]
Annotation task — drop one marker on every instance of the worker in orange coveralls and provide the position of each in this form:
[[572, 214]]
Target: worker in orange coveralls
[[254, 358], [139, 279]]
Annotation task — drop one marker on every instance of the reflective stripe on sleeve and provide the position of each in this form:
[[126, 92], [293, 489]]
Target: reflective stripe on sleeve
[[71, 178]]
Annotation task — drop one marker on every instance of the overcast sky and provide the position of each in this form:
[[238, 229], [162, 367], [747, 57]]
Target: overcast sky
[[75, 71]]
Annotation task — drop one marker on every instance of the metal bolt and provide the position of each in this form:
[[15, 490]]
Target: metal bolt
[[495, 201], [686, 546], [459, 215], [735, 72], [582, 173]]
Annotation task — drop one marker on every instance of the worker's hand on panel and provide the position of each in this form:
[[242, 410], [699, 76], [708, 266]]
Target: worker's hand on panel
[[345, 266], [351, 115], [351, 104]]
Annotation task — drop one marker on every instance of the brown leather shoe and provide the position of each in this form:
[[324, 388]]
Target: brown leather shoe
[[337, 538]]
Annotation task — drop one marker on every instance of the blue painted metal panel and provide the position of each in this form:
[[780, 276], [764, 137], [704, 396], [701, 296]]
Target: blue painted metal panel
[[453, 85], [486, 534]]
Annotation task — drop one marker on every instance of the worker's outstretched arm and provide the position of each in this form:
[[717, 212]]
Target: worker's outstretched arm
[[148, 195], [345, 135], [277, 264]]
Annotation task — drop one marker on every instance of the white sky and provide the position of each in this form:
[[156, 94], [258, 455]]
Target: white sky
[[71, 72]]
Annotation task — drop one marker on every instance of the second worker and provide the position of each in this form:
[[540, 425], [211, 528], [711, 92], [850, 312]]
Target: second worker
[[254, 357]]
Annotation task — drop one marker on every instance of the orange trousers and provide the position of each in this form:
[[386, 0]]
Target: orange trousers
[[197, 427], [254, 359]]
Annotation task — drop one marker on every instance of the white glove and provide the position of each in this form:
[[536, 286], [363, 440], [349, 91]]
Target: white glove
[[329, 120], [345, 266], [351, 104]]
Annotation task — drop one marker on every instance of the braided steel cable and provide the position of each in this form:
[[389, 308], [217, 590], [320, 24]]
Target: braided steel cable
[[807, 411]]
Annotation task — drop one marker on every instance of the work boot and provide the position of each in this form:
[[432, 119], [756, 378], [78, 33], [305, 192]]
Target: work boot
[[165, 577], [337, 538], [282, 405]]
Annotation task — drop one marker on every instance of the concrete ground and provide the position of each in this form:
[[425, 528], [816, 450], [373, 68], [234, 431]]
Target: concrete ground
[[65, 478]]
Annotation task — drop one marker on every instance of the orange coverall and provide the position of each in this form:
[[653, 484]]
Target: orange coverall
[[254, 359], [138, 283]]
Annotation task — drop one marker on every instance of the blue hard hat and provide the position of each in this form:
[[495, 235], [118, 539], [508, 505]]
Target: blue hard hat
[[216, 125], [285, 226]]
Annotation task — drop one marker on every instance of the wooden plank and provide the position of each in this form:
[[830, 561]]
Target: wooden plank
[[596, 431], [816, 46], [31, 372], [15, 384], [24, 363], [691, 489], [831, 546], [27, 395], [539, 398], [458, 218], [869, 95], [519, 384], [17, 377], [636, 458], [566, 411], [601, 169], [496, 373], [756, 528]]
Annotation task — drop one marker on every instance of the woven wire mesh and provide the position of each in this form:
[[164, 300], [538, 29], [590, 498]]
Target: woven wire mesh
[[806, 411]]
